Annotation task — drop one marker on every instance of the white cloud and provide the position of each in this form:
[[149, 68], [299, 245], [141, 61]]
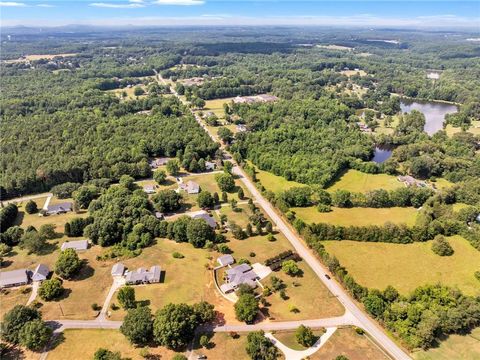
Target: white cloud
[[11, 4], [136, 1], [180, 2], [46, 5], [117, 6]]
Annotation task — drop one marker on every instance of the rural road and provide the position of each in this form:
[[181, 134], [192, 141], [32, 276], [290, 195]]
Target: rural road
[[26, 198]]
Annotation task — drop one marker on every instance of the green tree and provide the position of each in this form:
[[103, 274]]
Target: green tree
[[104, 354], [260, 348], [204, 311], [126, 297], [167, 200], [374, 304], [199, 232], [33, 242], [68, 264], [138, 91], [173, 167], [341, 198], [160, 176], [225, 182], [138, 325], [174, 325], [35, 335], [31, 207], [47, 231], [50, 289], [441, 246], [204, 341], [225, 134], [291, 268], [304, 336], [205, 200], [246, 308], [14, 320], [84, 195]]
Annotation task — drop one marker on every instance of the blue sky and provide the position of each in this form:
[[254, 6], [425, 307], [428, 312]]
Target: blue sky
[[438, 14]]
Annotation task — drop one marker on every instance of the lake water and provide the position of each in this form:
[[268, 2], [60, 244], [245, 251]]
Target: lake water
[[434, 112], [382, 154]]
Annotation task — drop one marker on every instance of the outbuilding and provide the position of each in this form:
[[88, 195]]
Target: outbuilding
[[78, 245]]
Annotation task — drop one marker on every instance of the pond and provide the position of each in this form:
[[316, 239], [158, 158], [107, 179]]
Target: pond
[[434, 112], [382, 153]]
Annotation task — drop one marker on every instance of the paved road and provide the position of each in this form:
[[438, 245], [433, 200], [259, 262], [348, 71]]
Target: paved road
[[26, 198], [61, 325], [362, 320]]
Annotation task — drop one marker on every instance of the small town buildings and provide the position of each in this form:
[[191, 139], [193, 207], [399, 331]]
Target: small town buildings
[[77, 245], [59, 208], [238, 275], [40, 273], [226, 260], [205, 216], [149, 189], [191, 187], [118, 269], [209, 165], [13, 278], [143, 276]]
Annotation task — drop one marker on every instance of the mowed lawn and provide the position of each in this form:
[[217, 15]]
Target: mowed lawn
[[356, 181], [11, 297], [82, 344], [345, 341], [407, 266], [185, 280], [216, 106], [358, 216], [455, 347], [223, 346], [288, 339]]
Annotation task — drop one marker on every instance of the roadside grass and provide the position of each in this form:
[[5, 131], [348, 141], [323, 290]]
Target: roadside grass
[[223, 346], [357, 181], [310, 297], [407, 266], [82, 344], [184, 280], [358, 216], [345, 341], [465, 347], [288, 339], [275, 183], [11, 297]]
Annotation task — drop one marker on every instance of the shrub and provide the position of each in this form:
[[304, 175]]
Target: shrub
[[291, 268], [50, 289], [177, 255], [304, 336], [441, 246], [68, 264], [31, 207], [126, 297], [96, 307]]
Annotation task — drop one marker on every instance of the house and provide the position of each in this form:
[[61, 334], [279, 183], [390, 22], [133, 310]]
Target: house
[[209, 165], [191, 187], [156, 163], [40, 273], [408, 180], [77, 245], [159, 215], [59, 208], [205, 216], [241, 274], [143, 276], [266, 98], [241, 128], [226, 260], [118, 269], [13, 278], [149, 189]]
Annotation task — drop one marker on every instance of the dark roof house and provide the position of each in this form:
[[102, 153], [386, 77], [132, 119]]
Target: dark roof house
[[205, 216], [143, 276], [59, 208]]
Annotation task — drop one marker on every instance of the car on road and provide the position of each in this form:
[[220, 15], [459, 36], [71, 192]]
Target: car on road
[[327, 276]]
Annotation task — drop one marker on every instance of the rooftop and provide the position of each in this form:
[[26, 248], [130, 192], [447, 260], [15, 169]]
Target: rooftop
[[77, 245], [14, 277]]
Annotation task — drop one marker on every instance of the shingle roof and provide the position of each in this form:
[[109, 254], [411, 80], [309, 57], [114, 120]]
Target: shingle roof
[[76, 245], [143, 275], [14, 277], [66, 206], [226, 260], [118, 269], [205, 216], [40, 273]]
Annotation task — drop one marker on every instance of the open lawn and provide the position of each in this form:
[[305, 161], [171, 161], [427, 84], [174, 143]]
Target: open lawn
[[82, 344], [442, 184], [310, 297], [240, 216], [474, 129], [275, 183], [407, 266], [223, 346], [11, 297], [335, 47], [358, 216], [288, 339], [356, 181], [345, 341], [455, 347], [129, 91], [184, 280], [353, 72], [216, 106]]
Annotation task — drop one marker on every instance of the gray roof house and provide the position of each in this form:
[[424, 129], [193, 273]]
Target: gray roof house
[[118, 269], [13, 278], [225, 260], [205, 216], [77, 245], [209, 165], [40, 273], [241, 274], [191, 187], [59, 208], [143, 276], [149, 189]]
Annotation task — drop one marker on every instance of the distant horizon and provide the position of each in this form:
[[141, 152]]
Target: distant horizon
[[442, 15]]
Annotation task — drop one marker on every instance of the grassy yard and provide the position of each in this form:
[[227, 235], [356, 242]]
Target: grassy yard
[[185, 280], [240, 216], [358, 216], [82, 344], [474, 129], [216, 106], [310, 297], [288, 339], [24, 220], [275, 183], [11, 297], [223, 346], [347, 342], [464, 347], [406, 267], [356, 181]]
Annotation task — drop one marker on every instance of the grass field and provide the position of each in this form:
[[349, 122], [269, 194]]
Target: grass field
[[275, 183], [358, 216], [347, 342], [376, 265], [455, 347], [223, 346], [11, 297], [474, 129], [130, 92], [216, 106], [240, 216], [82, 344], [186, 280], [356, 181], [288, 339]]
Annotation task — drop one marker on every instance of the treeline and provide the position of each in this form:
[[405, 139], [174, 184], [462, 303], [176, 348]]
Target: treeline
[[8, 214]]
